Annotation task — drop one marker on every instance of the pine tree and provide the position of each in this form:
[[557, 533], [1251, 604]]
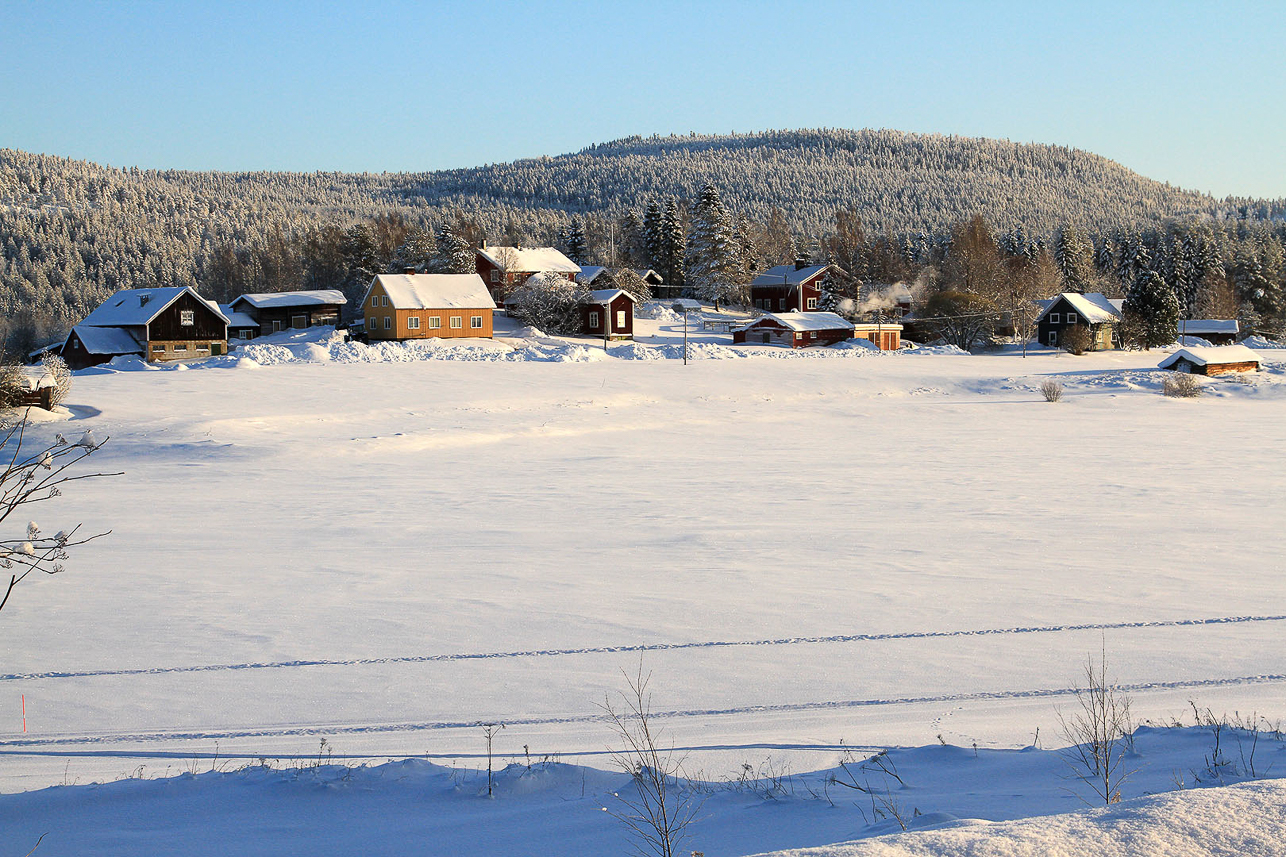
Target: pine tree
[[1072, 254], [454, 255], [574, 239], [416, 252], [673, 246], [653, 237], [713, 250], [1151, 310]]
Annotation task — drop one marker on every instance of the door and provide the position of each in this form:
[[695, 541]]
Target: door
[[299, 322], [276, 325]]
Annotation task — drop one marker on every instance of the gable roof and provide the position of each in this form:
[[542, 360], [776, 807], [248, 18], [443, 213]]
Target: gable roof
[[1094, 307], [801, 321], [788, 275], [235, 318], [433, 291], [1198, 326], [137, 307], [316, 297], [1206, 355], [589, 273], [606, 296], [646, 273], [105, 340], [529, 259]]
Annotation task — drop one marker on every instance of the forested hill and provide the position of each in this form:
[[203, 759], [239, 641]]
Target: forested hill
[[897, 182], [72, 232]]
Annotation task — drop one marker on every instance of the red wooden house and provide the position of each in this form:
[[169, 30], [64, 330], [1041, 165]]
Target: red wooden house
[[794, 329], [503, 268], [786, 287], [608, 312]]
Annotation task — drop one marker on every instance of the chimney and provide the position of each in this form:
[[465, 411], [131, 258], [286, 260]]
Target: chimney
[[410, 271], [144, 298], [800, 264]]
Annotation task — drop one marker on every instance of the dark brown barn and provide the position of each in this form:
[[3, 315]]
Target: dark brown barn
[[277, 311], [156, 324], [608, 312], [794, 329]]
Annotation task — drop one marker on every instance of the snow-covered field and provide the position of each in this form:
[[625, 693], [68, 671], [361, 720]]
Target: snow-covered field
[[383, 546]]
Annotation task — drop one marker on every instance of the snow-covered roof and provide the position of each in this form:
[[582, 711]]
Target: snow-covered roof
[[106, 340], [1094, 307], [434, 291], [589, 273], [36, 378], [1198, 326], [1213, 354], [316, 297], [529, 259], [801, 321], [606, 296], [644, 273], [136, 307], [787, 275], [237, 319]]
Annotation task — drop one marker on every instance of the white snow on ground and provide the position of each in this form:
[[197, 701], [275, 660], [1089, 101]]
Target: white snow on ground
[[365, 545]]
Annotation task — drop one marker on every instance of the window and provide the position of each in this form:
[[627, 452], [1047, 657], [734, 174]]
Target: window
[[203, 348], [476, 322], [388, 322], [384, 300], [781, 303], [180, 346], [593, 318], [187, 317], [1053, 337], [413, 323], [299, 322], [456, 322], [1071, 318], [495, 275], [812, 303], [375, 300], [158, 349], [435, 321], [620, 319], [1053, 318], [243, 334]]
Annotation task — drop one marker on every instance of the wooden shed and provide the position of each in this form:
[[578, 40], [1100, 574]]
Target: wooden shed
[[277, 311], [1212, 360], [886, 337], [608, 312], [794, 329], [1216, 331], [427, 306]]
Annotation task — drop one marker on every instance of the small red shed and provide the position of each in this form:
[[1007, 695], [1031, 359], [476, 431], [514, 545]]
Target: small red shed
[[795, 329], [608, 312]]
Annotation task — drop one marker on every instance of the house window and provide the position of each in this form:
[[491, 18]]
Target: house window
[[243, 334], [1053, 337], [435, 321], [388, 322], [158, 349], [495, 275], [456, 322], [1053, 318], [812, 303], [476, 322], [413, 323], [375, 300], [1071, 318], [180, 346], [187, 317], [593, 318], [781, 303], [384, 300], [620, 319], [299, 322]]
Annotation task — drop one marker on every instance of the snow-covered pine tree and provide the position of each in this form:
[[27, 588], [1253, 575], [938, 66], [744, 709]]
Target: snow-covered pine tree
[[673, 246], [653, 237], [454, 255], [1073, 255], [1151, 310], [574, 239], [713, 251], [416, 252]]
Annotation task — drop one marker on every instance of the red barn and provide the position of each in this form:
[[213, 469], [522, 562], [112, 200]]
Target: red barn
[[608, 312], [795, 329], [788, 287], [502, 268]]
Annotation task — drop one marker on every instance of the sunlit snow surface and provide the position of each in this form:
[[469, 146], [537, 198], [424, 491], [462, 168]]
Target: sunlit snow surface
[[878, 549]]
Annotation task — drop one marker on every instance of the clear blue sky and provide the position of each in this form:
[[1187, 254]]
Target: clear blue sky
[[1189, 93]]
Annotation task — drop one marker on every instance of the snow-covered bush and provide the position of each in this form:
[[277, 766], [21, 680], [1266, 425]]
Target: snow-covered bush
[[548, 301], [1181, 385], [1051, 390], [56, 368]]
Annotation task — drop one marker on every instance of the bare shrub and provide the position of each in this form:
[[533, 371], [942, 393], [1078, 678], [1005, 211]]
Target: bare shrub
[[1181, 385], [1077, 339], [656, 809], [1051, 390], [1099, 733], [56, 368]]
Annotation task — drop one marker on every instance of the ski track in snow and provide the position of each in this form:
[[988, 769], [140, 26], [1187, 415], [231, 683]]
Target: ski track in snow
[[643, 647], [326, 730]]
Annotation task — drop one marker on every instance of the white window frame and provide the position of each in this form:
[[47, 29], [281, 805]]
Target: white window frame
[[812, 303], [593, 318], [620, 319], [388, 322], [375, 300], [1071, 318], [180, 346], [187, 318], [243, 334], [413, 323], [457, 322], [475, 322], [1053, 337], [435, 322], [1054, 318], [495, 275]]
